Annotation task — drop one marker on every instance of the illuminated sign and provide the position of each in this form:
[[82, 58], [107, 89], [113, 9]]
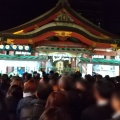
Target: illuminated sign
[[22, 53], [15, 47]]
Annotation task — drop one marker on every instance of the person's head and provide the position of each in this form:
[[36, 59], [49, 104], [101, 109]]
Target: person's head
[[24, 75], [90, 79], [43, 91], [43, 73], [55, 114], [30, 86], [56, 74], [51, 72], [81, 85], [34, 73], [17, 81], [103, 89], [28, 77], [45, 79], [54, 80], [115, 101], [107, 77], [78, 75], [15, 91], [57, 99], [37, 78], [99, 77], [118, 79], [66, 83], [4, 79]]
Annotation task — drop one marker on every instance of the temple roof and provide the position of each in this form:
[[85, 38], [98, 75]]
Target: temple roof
[[61, 21]]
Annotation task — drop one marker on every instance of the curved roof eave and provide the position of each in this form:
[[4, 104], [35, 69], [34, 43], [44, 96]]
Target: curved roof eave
[[65, 27], [60, 4]]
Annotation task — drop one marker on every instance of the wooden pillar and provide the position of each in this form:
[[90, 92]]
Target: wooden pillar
[[108, 57], [35, 54], [84, 66], [73, 63], [10, 68]]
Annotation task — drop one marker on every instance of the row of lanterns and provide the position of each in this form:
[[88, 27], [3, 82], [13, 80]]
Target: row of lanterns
[[15, 47]]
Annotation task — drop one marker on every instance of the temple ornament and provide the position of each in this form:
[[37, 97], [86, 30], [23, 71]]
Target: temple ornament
[[63, 35], [10, 41], [63, 16]]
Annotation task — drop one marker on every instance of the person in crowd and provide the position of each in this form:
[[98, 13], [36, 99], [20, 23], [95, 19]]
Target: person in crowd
[[116, 102], [77, 75], [37, 77], [24, 76], [28, 77], [16, 81], [3, 108], [54, 83], [101, 110], [66, 84], [43, 73], [99, 77], [34, 74], [55, 114], [85, 91], [107, 77], [4, 84], [45, 79], [15, 93], [117, 79], [51, 74], [57, 99], [37, 106], [28, 95], [13, 77]]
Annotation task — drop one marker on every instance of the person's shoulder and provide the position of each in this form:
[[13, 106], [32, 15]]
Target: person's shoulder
[[89, 111], [114, 119], [93, 107], [34, 109]]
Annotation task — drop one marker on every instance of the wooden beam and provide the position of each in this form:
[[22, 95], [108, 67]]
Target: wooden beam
[[61, 44], [105, 53]]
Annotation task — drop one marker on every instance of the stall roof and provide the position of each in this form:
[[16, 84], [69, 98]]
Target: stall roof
[[83, 60], [100, 61], [28, 58]]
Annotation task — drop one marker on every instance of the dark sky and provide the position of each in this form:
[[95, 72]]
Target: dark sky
[[16, 12]]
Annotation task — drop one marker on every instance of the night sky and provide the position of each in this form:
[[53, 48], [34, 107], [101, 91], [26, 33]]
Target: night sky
[[16, 12]]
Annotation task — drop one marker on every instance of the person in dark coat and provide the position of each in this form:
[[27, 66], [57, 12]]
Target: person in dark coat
[[115, 102], [67, 85], [3, 108], [15, 93], [102, 110], [37, 106], [4, 84], [28, 95]]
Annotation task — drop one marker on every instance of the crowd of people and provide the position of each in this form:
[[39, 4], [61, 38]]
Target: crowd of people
[[59, 97]]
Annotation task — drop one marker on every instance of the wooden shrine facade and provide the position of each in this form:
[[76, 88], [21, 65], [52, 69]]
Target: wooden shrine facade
[[62, 27]]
